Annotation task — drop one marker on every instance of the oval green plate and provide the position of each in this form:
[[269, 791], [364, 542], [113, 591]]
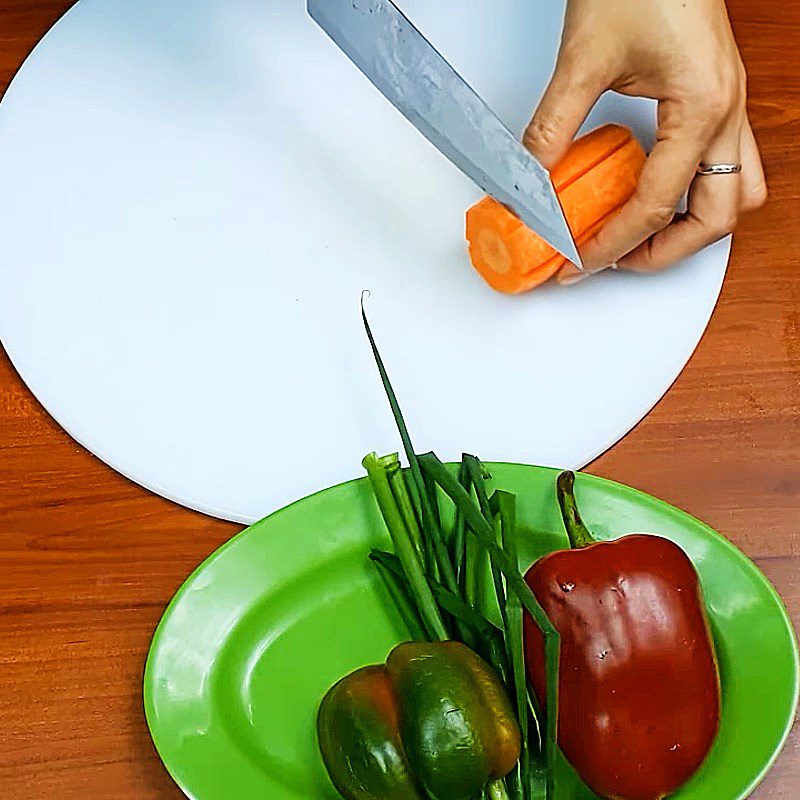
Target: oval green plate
[[259, 632]]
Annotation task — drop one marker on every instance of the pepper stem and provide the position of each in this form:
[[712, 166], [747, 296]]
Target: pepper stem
[[578, 533], [497, 790]]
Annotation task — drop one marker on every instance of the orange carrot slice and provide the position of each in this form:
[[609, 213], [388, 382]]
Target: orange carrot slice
[[595, 178]]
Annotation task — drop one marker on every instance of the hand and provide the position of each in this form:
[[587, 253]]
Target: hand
[[681, 53]]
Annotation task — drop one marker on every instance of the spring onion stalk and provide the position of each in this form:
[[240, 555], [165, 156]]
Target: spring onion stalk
[[496, 790], [433, 499], [428, 520], [514, 782], [507, 512], [536, 711], [497, 577], [482, 530], [403, 499], [457, 537], [484, 533], [472, 573], [403, 603], [404, 547], [552, 655], [490, 638], [431, 563], [488, 634], [476, 473], [427, 472]]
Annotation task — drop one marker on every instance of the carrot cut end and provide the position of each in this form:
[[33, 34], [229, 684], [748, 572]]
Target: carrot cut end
[[595, 178]]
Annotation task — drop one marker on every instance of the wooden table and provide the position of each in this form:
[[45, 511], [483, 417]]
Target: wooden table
[[89, 560]]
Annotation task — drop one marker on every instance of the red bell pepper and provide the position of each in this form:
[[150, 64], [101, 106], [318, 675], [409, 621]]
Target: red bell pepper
[[639, 685]]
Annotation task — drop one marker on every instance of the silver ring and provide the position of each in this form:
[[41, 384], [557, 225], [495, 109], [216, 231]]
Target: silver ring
[[719, 169]]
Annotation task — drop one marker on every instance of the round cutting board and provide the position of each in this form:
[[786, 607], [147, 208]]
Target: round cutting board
[[196, 192]]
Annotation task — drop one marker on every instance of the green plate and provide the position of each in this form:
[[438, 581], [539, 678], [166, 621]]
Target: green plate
[[259, 632]]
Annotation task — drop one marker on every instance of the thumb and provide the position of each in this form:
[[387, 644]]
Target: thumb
[[565, 105]]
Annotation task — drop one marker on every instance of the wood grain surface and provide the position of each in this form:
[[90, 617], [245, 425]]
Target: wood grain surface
[[88, 560]]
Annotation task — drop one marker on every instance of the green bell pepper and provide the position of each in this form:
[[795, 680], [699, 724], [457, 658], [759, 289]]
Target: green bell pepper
[[433, 723]]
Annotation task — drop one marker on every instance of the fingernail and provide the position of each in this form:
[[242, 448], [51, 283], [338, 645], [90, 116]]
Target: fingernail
[[571, 278]]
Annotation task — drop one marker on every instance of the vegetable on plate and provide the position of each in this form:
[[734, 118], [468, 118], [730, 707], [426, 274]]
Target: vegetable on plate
[[639, 685], [595, 178], [433, 722], [603, 650]]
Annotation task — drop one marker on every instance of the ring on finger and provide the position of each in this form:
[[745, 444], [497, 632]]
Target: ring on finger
[[723, 168]]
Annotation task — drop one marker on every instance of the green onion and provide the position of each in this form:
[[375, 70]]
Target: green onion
[[430, 526], [496, 790], [433, 597], [476, 473], [433, 499], [507, 512], [404, 548], [397, 481], [457, 537], [472, 573], [497, 577], [489, 637], [490, 640], [552, 654], [483, 531], [402, 602]]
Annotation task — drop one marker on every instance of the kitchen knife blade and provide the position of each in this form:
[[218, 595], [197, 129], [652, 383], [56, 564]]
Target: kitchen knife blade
[[419, 82]]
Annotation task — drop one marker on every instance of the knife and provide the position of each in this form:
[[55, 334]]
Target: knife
[[419, 82]]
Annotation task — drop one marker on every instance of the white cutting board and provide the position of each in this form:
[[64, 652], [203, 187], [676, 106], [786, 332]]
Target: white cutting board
[[193, 195]]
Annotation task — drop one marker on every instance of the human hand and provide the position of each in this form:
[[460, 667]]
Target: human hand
[[681, 53]]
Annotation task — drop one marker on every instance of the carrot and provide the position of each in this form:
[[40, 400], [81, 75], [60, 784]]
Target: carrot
[[595, 178]]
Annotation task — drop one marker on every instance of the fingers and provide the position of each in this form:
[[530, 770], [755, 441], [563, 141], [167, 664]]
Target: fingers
[[667, 173], [714, 204], [753, 185], [563, 108], [712, 211]]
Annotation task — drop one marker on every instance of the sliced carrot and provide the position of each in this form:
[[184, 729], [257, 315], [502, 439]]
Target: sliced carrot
[[509, 255], [595, 178]]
